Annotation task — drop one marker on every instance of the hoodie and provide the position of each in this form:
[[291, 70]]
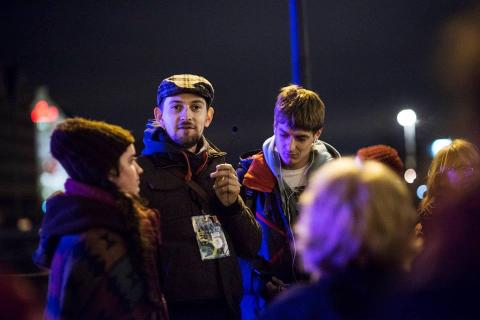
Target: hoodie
[[157, 141], [321, 153], [275, 208]]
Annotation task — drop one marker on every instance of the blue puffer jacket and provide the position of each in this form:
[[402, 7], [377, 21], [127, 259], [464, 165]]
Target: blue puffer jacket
[[275, 207]]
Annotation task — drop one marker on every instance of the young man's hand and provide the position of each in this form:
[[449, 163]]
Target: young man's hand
[[226, 185], [274, 287]]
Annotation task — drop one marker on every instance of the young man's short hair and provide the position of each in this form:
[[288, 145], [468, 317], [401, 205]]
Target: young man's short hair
[[300, 108]]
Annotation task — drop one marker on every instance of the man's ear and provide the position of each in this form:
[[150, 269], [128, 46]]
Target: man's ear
[[209, 118], [157, 113], [318, 133]]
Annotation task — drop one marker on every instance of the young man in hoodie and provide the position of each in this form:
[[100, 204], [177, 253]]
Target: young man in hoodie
[[205, 222], [272, 181]]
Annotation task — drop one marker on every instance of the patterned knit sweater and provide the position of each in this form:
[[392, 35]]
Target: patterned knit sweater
[[94, 271]]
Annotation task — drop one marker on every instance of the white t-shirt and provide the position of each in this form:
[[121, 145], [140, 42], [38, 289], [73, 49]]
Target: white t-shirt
[[296, 179]]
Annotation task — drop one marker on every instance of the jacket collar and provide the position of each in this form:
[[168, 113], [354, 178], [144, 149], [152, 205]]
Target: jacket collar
[[259, 177], [321, 153], [264, 168], [159, 145], [156, 140], [81, 208], [76, 188]]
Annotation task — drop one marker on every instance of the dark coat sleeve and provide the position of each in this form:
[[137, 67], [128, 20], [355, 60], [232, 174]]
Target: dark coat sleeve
[[243, 228], [96, 277]]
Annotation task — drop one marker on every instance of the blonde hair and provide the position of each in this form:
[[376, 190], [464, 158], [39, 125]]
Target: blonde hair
[[355, 212], [459, 153]]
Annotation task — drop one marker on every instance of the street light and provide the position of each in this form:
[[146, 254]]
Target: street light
[[439, 144], [407, 118]]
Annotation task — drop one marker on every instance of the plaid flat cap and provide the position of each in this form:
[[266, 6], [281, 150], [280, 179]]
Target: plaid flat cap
[[185, 83]]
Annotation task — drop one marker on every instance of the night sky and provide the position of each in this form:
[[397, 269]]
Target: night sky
[[104, 60]]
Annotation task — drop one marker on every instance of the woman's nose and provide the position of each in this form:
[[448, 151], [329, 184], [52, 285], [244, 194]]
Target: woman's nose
[[139, 169]]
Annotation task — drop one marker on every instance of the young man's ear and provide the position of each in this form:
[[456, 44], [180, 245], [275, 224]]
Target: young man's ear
[[317, 134], [209, 118]]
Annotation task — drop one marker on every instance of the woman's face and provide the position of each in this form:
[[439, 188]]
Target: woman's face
[[128, 179]]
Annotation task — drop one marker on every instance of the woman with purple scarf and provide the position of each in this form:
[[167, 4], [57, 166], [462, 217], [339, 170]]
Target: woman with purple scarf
[[97, 238]]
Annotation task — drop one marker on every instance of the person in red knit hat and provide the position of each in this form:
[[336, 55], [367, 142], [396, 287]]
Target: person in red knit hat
[[383, 153]]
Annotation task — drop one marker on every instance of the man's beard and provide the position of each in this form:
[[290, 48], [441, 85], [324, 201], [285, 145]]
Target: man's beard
[[188, 142]]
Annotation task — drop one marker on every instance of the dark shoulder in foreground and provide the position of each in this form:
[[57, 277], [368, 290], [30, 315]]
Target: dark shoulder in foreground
[[301, 302]]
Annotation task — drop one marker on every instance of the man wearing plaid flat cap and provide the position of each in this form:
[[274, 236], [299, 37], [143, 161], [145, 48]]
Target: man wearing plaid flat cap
[[205, 222]]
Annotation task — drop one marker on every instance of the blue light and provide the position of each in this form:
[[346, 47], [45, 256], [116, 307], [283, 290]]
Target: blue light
[[294, 43], [421, 191], [439, 144], [44, 206]]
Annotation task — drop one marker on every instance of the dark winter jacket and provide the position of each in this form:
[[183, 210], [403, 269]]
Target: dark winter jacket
[[94, 269], [275, 207], [354, 293], [186, 278]]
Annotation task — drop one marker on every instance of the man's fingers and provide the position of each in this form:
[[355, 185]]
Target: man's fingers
[[223, 170], [226, 191], [277, 281], [227, 185], [224, 178], [223, 173], [225, 166]]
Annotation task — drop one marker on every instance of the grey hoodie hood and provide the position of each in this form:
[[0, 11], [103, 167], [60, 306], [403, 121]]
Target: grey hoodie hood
[[322, 152]]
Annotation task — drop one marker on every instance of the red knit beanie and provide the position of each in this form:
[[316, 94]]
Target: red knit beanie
[[383, 153]]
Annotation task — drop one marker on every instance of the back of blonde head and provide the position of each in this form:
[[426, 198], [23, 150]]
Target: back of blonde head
[[355, 213], [460, 154]]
